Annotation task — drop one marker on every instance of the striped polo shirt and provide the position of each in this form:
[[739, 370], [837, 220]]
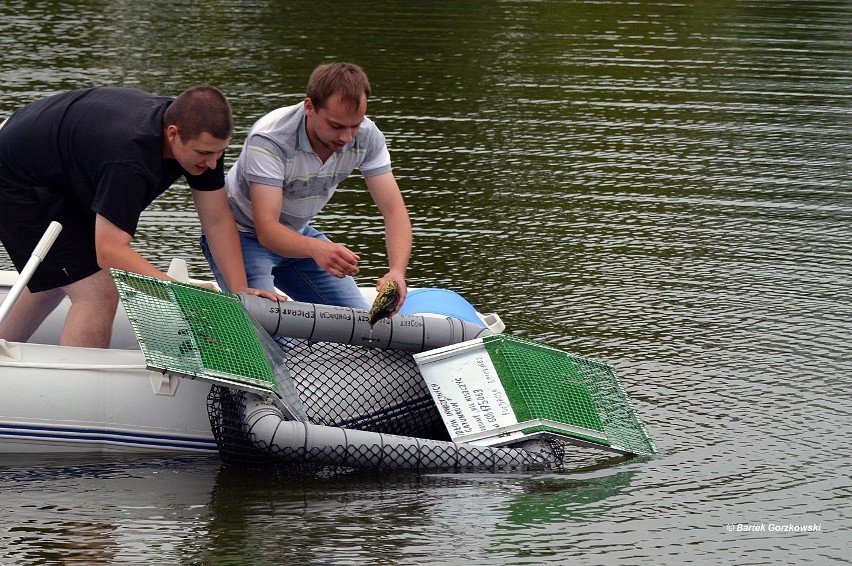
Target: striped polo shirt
[[277, 152]]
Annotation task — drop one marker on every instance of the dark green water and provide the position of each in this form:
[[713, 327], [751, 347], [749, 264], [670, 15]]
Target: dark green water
[[663, 186]]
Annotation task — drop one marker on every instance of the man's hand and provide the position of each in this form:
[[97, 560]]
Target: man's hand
[[272, 296], [206, 285], [403, 288], [336, 259]]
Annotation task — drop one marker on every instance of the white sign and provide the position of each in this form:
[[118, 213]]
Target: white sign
[[467, 390]]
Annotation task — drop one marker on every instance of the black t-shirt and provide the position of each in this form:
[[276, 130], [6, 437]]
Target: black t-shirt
[[103, 146]]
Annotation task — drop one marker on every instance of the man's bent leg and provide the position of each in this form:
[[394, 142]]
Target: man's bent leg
[[94, 301], [305, 281], [28, 312], [257, 261]]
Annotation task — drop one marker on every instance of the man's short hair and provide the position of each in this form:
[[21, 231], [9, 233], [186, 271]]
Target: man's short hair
[[201, 109], [345, 79]]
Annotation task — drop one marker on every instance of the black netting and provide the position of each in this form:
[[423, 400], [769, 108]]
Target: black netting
[[367, 400], [363, 389], [225, 407]]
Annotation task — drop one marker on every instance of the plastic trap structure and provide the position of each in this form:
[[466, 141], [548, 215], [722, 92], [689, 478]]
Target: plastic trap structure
[[503, 389], [398, 396]]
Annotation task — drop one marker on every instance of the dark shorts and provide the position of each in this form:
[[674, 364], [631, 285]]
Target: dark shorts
[[25, 214]]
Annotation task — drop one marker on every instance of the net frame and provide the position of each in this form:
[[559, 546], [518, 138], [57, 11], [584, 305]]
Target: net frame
[[192, 332], [552, 391]]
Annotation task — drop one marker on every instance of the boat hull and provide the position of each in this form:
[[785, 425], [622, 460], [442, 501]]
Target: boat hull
[[60, 399]]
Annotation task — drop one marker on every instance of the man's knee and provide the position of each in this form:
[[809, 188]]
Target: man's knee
[[97, 289], [94, 301]]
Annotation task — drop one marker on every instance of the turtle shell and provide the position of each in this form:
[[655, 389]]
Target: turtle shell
[[385, 302]]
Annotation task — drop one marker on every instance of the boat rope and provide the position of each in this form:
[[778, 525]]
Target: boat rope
[[45, 365]]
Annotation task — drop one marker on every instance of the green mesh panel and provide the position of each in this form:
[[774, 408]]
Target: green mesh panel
[[187, 330], [546, 383]]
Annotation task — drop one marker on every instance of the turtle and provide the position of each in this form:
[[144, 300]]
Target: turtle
[[385, 302]]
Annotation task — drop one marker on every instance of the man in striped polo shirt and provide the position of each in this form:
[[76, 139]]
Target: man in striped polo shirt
[[290, 165]]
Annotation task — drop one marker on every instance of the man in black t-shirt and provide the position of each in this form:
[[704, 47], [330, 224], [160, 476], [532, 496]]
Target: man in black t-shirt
[[93, 160]]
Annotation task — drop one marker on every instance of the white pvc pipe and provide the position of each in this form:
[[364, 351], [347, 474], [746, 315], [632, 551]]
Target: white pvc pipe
[[344, 325], [36, 258], [299, 442]]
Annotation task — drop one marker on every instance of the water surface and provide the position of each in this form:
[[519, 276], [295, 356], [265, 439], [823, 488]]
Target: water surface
[[662, 186]]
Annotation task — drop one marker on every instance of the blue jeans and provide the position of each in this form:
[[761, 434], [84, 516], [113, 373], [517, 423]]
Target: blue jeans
[[300, 278]]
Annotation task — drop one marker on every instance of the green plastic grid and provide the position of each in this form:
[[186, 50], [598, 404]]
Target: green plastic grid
[[190, 331], [545, 383]]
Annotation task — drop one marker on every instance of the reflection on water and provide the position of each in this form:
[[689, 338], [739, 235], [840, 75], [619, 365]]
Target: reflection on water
[[82, 509], [663, 186], [95, 510], [405, 517]]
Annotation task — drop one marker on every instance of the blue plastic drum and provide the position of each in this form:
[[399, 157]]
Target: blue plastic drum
[[440, 301]]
